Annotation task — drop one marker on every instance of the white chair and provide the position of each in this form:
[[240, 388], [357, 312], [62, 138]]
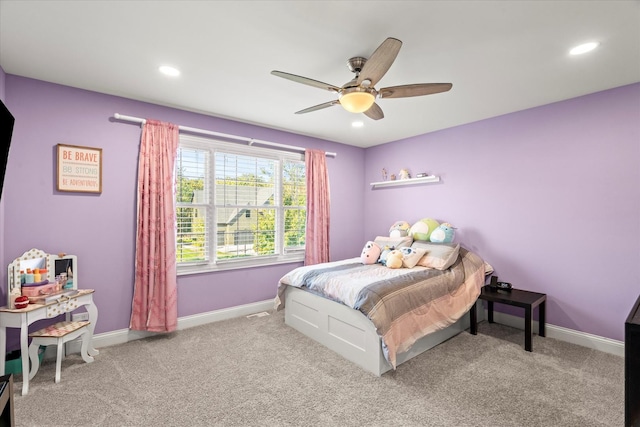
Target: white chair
[[58, 334]]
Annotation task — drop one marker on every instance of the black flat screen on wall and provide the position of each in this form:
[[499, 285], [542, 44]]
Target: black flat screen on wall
[[6, 130]]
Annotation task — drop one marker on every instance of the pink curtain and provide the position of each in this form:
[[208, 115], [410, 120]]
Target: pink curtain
[[318, 207], [155, 302]]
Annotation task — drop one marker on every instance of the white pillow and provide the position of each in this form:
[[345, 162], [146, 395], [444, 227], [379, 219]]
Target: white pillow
[[395, 242], [439, 255], [411, 256]]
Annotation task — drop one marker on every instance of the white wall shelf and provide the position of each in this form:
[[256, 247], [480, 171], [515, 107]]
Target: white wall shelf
[[410, 181]]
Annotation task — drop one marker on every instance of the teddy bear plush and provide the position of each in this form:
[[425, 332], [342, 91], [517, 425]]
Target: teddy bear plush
[[394, 259], [370, 253]]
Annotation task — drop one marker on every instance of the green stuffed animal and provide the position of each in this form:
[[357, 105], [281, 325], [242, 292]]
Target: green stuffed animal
[[422, 229]]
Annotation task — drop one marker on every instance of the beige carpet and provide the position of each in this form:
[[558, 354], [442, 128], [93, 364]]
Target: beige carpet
[[259, 372]]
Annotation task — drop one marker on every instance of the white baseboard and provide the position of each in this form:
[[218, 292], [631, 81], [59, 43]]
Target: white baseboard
[[557, 332], [125, 335], [563, 334]]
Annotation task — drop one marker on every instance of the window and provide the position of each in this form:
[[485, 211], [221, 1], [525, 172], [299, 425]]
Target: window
[[253, 200]]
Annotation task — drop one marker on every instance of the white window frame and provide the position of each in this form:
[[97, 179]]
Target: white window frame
[[281, 256]]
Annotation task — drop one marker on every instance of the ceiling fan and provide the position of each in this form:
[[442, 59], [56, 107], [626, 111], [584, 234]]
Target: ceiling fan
[[359, 95]]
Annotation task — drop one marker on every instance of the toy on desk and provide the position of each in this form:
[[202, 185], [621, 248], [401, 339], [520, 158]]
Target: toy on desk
[[21, 302], [28, 277]]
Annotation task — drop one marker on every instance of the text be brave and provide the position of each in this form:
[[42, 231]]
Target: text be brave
[[80, 156]]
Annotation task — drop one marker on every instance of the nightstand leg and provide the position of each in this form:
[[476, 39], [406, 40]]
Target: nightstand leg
[[527, 329], [473, 319], [490, 310], [541, 320]]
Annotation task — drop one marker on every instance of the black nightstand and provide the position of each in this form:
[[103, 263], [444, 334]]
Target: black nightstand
[[632, 367], [518, 298]]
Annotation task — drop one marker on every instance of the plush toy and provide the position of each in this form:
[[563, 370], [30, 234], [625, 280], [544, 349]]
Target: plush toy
[[411, 256], [422, 229], [404, 174], [399, 229], [370, 253], [384, 254], [443, 234], [394, 259]]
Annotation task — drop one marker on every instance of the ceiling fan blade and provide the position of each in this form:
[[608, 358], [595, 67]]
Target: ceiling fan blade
[[419, 89], [319, 107], [306, 81], [380, 61], [374, 112]]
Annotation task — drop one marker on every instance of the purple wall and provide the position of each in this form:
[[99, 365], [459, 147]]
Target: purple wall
[[100, 229], [549, 196], [2, 97]]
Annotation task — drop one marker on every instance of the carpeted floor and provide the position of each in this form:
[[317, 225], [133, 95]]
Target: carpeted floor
[[260, 372]]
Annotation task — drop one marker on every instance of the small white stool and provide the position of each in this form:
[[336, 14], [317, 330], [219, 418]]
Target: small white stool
[[58, 334]]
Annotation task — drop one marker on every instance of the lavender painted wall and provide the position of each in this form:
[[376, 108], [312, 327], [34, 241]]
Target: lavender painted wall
[[549, 196], [100, 229], [2, 97]]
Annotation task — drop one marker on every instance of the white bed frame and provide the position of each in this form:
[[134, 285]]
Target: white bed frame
[[349, 333]]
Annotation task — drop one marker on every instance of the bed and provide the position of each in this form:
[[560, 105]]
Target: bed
[[378, 317]]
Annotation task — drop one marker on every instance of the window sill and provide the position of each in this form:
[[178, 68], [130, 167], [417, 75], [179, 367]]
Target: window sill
[[237, 265]]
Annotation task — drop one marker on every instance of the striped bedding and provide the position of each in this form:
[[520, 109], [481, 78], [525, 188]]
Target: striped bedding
[[404, 304]]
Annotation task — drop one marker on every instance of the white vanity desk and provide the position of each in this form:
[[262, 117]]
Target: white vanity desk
[[63, 304]]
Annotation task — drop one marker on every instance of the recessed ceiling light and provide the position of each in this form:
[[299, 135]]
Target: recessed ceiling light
[[169, 71], [584, 48], [357, 124]]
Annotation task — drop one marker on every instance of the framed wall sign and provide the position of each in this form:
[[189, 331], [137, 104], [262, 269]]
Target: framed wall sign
[[79, 169]]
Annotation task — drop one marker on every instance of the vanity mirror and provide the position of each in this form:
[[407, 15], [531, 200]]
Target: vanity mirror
[[36, 267]]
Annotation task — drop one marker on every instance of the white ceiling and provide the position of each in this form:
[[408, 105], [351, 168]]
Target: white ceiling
[[501, 56]]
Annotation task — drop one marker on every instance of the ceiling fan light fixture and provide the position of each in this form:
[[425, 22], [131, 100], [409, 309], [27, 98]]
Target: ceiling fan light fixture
[[359, 94], [167, 70], [584, 48], [357, 101]]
